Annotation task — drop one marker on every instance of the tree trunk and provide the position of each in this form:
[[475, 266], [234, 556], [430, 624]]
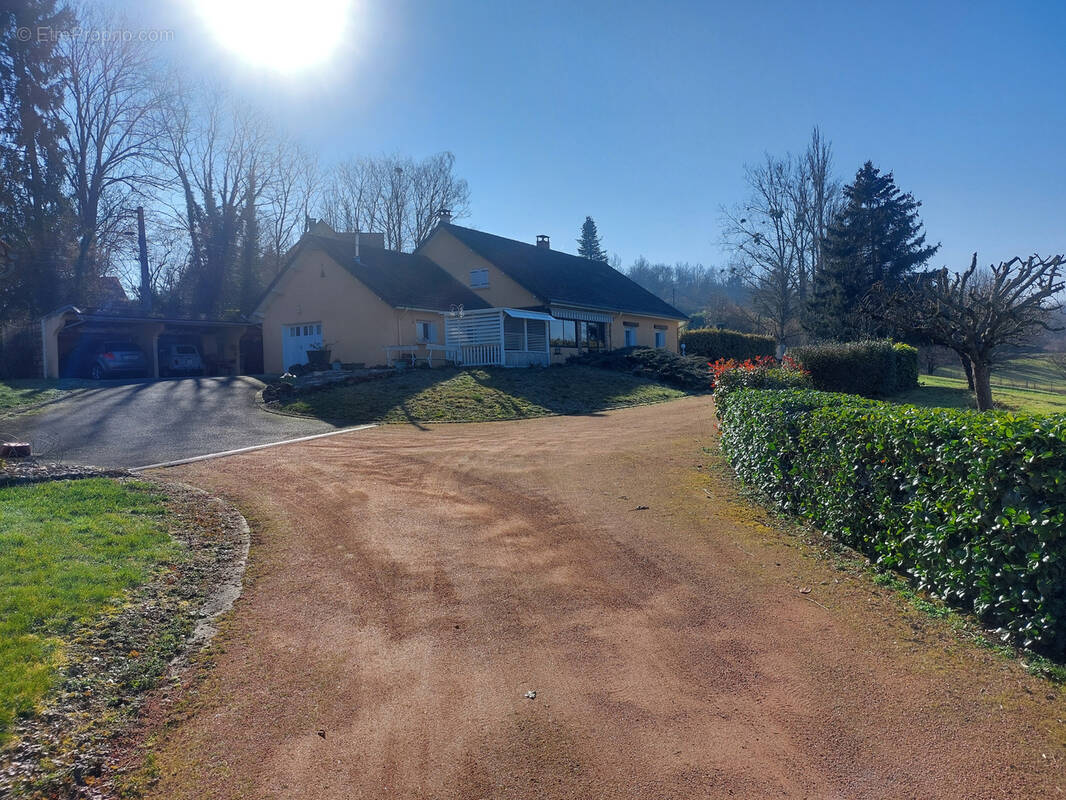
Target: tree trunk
[[968, 369], [982, 380]]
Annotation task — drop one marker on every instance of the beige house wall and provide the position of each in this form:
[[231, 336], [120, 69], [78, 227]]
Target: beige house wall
[[355, 322], [457, 259], [645, 330]]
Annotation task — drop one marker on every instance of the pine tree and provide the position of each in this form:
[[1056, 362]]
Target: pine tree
[[34, 211], [876, 240], [589, 245]]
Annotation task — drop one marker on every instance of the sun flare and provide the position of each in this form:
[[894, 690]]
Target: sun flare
[[279, 35]]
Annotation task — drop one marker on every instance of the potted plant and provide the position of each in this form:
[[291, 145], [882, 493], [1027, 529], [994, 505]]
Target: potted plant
[[318, 359]]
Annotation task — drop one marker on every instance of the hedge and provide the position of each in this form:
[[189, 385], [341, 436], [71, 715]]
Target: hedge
[[685, 372], [715, 343], [972, 506], [873, 368]]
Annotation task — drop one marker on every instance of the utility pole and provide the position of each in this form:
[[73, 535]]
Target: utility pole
[[146, 278]]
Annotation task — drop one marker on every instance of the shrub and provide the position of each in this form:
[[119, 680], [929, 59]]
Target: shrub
[[866, 368], [972, 506], [716, 343], [758, 373], [906, 367], [684, 372]]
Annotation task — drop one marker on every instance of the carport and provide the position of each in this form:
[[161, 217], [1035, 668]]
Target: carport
[[226, 347]]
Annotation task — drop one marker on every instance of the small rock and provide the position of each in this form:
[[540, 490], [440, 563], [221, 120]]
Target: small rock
[[531, 694]]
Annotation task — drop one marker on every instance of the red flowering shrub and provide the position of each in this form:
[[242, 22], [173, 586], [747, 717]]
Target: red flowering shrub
[[761, 372]]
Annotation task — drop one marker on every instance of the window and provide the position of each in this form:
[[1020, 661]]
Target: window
[[593, 335], [631, 333], [563, 333], [535, 336], [524, 334], [660, 336], [425, 331], [514, 333], [479, 279]]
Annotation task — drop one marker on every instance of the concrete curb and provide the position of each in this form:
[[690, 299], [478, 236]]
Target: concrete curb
[[249, 449]]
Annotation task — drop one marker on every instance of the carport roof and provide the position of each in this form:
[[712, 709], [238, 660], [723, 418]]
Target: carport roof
[[98, 315]]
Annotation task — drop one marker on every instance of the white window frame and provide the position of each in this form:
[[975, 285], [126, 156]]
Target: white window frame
[[479, 278], [430, 331]]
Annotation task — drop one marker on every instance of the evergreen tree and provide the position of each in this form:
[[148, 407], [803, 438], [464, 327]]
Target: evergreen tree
[[875, 241], [589, 245], [34, 211]]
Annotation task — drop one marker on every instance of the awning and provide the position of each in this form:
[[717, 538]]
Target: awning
[[518, 313], [580, 314]]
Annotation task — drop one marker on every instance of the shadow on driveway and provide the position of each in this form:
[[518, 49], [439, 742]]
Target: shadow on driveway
[[146, 422]]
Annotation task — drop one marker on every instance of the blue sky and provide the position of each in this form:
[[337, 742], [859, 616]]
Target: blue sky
[[643, 115]]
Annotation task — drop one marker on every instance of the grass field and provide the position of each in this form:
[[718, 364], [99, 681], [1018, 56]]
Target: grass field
[[68, 552], [16, 394], [479, 395], [1031, 385]]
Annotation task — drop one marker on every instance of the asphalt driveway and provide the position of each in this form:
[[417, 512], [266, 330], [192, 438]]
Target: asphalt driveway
[[148, 422]]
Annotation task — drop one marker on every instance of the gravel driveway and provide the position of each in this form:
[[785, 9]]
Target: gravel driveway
[[410, 587], [134, 424]]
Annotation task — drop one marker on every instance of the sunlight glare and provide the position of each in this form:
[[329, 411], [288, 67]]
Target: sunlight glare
[[278, 34]]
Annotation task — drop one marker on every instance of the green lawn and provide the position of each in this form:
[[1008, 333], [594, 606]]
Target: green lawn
[[68, 552], [1031, 372], [1031, 385], [479, 395], [15, 394]]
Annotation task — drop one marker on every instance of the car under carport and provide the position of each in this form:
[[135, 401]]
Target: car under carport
[[227, 347]]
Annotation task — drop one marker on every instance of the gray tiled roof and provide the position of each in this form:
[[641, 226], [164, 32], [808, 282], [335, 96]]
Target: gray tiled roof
[[557, 277], [400, 279]]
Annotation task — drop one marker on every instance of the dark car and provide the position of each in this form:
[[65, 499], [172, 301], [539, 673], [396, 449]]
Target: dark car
[[118, 359]]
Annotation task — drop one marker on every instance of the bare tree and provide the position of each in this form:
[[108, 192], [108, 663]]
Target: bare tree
[[935, 356], [354, 198], [763, 236], [217, 157], [981, 313], [394, 195], [288, 200], [823, 197], [109, 116], [434, 186]]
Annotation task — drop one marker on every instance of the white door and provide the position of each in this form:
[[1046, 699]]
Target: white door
[[296, 340]]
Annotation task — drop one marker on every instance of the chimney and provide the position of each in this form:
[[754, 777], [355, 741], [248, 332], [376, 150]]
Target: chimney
[[543, 240], [357, 247], [444, 216]]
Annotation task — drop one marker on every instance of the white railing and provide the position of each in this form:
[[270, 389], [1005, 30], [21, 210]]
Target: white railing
[[480, 355]]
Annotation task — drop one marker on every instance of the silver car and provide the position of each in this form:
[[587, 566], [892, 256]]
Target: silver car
[[179, 359]]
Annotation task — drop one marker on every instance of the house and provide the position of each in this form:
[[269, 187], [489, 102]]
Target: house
[[346, 293], [463, 296]]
